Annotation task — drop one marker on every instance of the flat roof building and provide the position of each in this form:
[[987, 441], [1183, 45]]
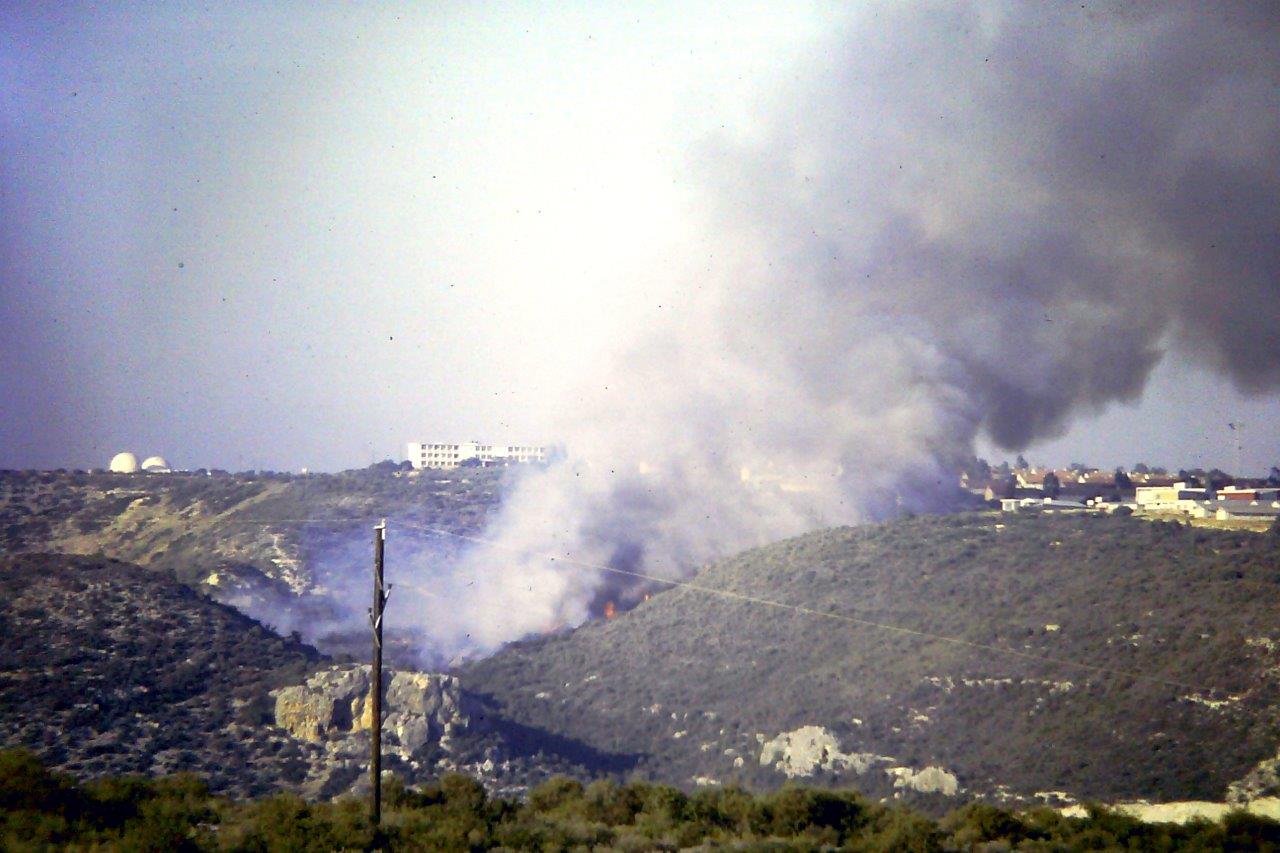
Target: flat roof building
[[1241, 509], [451, 455]]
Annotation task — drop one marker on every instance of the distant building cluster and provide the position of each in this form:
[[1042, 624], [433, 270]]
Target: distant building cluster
[[452, 455], [1225, 503], [1090, 489], [126, 463]]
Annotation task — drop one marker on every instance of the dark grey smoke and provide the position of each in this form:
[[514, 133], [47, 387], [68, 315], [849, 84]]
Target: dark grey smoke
[[956, 221], [1052, 195]]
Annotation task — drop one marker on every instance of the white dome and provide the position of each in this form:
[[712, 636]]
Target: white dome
[[155, 463], [124, 463]]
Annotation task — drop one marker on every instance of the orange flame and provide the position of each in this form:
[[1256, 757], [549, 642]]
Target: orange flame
[[610, 610]]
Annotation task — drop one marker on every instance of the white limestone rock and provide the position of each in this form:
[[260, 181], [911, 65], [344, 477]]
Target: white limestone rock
[[809, 749], [930, 780]]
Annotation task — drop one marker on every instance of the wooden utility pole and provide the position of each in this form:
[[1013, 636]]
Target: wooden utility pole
[[375, 686]]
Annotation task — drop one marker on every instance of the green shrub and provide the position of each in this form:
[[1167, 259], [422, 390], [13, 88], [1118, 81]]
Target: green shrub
[[1244, 831], [27, 785], [555, 793], [118, 799], [719, 809], [281, 823], [797, 811], [610, 803], [902, 831], [40, 810], [979, 822]]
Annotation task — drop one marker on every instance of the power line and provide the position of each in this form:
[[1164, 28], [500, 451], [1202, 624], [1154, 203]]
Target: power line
[[375, 676], [369, 520]]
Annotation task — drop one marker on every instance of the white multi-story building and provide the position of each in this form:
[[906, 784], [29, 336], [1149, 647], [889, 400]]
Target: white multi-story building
[[445, 455]]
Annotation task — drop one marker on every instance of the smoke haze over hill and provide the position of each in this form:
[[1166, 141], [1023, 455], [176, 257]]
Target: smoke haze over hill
[[757, 270], [955, 222]]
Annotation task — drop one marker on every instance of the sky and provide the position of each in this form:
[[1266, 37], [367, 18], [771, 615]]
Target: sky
[[301, 235]]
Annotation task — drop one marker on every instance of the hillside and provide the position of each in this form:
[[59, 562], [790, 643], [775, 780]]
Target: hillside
[[283, 548], [1174, 626], [110, 668], [698, 688]]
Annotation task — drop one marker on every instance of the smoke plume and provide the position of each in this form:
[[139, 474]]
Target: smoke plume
[[954, 222]]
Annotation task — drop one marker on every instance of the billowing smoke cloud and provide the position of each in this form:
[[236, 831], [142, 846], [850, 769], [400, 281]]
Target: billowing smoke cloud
[[956, 222]]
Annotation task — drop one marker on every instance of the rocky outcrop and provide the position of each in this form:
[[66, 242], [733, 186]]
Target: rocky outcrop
[[322, 706], [1183, 811], [930, 780], [808, 749], [332, 712], [811, 748], [1262, 781]]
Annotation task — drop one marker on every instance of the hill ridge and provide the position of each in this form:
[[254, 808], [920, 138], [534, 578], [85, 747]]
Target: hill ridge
[[1135, 596]]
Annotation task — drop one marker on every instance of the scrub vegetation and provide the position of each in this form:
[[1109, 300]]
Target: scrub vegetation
[[108, 668], [191, 524], [1030, 658], [1107, 658], [280, 547], [41, 810]]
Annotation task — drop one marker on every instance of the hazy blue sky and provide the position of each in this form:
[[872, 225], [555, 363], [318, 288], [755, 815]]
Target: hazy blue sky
[[292, 235]]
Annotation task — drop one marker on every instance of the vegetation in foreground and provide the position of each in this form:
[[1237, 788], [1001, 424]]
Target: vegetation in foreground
[[40, 809]]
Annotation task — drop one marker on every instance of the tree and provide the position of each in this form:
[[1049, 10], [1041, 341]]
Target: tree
[[1007, 487], [1141, 468], [1123, 483], [977, 469], [1051, 485], [1021, 462], [1274, 478]]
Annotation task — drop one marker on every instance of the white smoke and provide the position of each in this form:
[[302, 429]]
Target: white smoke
[[957, 222]]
